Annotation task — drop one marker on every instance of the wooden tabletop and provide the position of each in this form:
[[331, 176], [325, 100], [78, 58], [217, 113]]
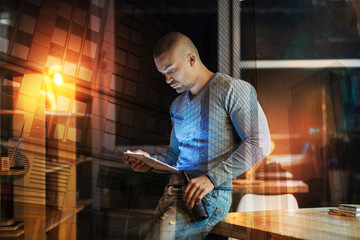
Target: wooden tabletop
[[306, 223], [269, 186]]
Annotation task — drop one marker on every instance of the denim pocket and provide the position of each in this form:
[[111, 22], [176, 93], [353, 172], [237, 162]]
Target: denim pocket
[[217, 203], [224, 194], [215, 218], [207, 199]]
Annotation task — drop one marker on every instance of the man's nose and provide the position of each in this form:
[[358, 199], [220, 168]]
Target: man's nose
[[168, 78]]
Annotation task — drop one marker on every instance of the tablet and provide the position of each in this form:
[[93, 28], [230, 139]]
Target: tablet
[[152, 162]]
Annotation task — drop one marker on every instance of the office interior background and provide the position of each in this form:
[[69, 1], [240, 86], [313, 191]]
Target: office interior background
[[79, 87]]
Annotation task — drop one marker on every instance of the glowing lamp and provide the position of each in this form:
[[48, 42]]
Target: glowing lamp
[[58, 79]]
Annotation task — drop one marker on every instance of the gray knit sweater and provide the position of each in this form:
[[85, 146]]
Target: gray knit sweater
[[221, 132]]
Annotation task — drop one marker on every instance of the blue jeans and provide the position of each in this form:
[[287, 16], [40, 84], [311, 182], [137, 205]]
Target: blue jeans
[[173, 222]]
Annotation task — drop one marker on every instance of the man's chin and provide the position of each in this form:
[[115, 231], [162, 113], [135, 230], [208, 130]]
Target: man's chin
[[179, 90]]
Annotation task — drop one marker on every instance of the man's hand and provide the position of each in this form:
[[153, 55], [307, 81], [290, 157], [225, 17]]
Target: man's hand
[[137, 165], [196, 189]]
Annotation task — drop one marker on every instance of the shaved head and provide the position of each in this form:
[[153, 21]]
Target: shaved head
[[177, 58], [175, 40]]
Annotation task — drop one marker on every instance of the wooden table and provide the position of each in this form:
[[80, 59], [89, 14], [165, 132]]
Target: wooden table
[[306, 223], [269, 186]]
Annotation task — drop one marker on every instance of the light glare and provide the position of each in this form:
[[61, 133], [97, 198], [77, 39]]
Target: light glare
[[58, 79]]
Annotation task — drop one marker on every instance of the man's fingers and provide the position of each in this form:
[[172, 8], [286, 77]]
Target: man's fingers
[[193, 194], [194, 198], [134, 163], [200, 197], [196, 189], [138, 166], [128, 159], [189, 192]]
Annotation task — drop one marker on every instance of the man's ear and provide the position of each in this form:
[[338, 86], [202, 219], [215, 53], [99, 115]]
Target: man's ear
[[191, 58]]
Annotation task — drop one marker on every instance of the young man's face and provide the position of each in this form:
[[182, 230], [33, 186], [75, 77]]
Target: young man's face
[[177, 70]]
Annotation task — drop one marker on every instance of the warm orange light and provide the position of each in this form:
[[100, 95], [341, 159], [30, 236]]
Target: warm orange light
[[58, 79], [272, 146]]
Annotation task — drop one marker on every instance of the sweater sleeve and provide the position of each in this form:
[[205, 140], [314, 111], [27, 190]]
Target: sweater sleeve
[[241, 104], [170, 156]]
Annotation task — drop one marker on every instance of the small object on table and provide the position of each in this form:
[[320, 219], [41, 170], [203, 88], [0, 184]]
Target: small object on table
[[349, 210], [5, 164], [350, 207]]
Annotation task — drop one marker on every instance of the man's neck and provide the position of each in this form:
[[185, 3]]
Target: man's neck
[[203, 78]]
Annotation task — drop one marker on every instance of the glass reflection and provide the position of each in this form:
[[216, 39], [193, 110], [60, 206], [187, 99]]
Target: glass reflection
[[79, 87]]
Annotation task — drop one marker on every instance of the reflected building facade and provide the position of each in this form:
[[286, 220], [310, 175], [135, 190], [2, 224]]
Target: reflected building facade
[[79, 87]]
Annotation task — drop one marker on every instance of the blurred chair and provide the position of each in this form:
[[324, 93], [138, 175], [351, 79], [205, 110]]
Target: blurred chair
[[261, 202], [253, 202], [258, 202]]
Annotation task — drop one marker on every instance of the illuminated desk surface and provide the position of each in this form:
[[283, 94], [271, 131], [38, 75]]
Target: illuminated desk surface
[[306, 223], [269, 186]]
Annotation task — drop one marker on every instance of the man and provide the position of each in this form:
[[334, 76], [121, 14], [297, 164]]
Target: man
[[219, 132]]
